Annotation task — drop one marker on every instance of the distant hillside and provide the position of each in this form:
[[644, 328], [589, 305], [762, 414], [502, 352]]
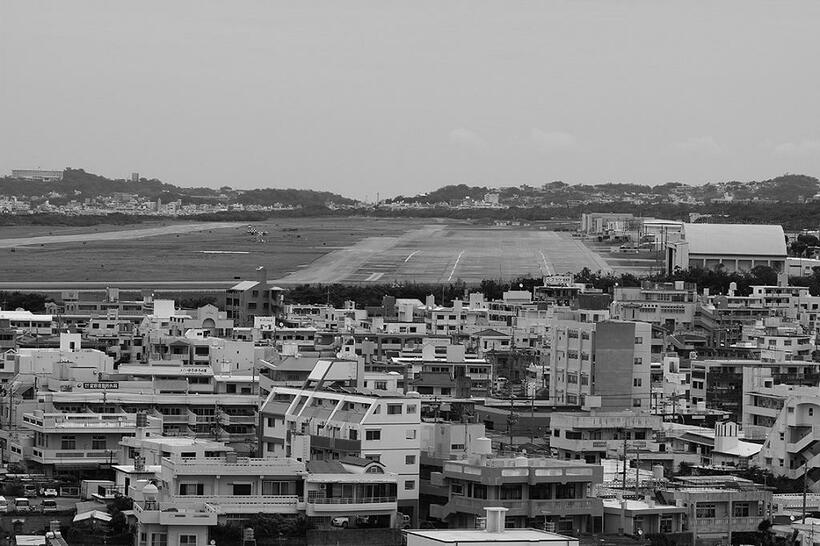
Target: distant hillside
[[78, 184], [790, 188]]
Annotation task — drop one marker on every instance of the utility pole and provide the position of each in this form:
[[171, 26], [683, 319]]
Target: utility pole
[[623, 481], [637, 469], [805, 471]]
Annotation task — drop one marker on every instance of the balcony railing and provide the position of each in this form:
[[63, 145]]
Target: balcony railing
[[350, 500]]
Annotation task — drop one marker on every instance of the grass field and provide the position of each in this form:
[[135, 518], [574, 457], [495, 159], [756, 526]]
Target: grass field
[[298, 250]]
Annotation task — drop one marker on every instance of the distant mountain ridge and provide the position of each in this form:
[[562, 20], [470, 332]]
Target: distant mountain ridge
[[786, 188], [78, 184]]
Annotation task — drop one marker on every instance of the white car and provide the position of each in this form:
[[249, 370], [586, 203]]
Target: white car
[[340, 521], [49, 492]]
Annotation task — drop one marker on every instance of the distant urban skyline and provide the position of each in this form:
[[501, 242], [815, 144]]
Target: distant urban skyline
[[364, 97]]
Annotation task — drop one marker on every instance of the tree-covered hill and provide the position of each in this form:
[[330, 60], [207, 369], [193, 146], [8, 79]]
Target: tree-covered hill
[[79, 184]]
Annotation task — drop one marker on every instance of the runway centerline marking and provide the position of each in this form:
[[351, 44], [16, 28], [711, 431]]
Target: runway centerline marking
[[455, 265], [407, 259]]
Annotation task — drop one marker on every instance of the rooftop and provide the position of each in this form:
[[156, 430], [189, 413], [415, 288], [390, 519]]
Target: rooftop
[[478, 536], [737, 239]]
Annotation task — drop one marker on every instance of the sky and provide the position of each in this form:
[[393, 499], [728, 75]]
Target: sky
[[400, 98]]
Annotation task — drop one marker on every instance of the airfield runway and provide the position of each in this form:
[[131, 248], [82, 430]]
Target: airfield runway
[[200, 256], [445, 254]]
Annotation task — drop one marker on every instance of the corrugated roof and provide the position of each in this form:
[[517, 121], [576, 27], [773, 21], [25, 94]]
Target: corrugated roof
[[326, 467], [736, 239], [356, 461], [244, 285]]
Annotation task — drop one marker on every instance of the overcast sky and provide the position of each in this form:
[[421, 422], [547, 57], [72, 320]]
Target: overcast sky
[[403, 97]]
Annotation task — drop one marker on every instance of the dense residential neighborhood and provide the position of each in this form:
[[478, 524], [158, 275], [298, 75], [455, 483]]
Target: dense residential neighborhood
[[661, 412]]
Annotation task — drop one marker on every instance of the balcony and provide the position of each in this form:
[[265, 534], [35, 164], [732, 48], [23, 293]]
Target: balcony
[[66, 423], [174, 514], [247, 504], [227, 419], [220, 466], [717, 525], [72, 457], [530, 508], [317, 506]]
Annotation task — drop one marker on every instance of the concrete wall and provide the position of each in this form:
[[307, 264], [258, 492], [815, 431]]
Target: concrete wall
[[354, 537], [614, 361]]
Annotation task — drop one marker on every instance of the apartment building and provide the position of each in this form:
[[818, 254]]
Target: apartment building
[[231, 489], [603, 365], [792, 447], [719, 383], [248, 299], [592, 436], [312, 424], [79, 441], [79, 306], [455, 362], [669, 305], [536, 491]]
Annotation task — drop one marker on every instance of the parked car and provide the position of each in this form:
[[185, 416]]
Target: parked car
[[49, 505], [49, 492], [22, 504], [30, 490], [340, 521]]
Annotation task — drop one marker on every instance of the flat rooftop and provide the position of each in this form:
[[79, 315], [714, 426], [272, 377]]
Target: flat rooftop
[[479, 536]]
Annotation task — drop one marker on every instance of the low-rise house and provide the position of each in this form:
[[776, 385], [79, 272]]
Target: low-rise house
[[640, 517], [717, 506]]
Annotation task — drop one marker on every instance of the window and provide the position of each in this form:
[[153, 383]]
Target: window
[[705, 510], [191, 489], [394, 409], [811, 412], [411, 408], [666, 525], [636, 382], [636, 402], [410, 434], [353, 434], [275, 488], [159, 539], [98, 442], [187, 540], [381, 385], [638, 340], [638, 361], [373, 457], [68, 442], [143, 539], [375, 434], [740, 509], [511, 492], [409, 459], [457, 489], [241, 489], [409, 485], [457, 447]]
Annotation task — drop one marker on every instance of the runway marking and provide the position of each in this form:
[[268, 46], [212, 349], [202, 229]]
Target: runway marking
[[374, 277], [407, 259], [546, 267], [455, 265]]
